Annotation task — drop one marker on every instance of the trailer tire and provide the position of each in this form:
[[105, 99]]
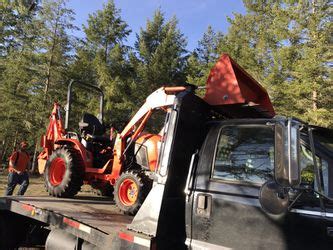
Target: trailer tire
[[64, 173], [131, 190]]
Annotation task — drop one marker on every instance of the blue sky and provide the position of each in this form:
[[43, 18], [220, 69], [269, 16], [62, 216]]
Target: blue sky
[[194, 16]]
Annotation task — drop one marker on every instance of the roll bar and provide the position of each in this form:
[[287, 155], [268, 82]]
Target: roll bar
[[88, 87]]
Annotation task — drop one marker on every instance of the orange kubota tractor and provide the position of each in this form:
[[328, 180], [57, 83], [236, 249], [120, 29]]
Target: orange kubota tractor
[[119, 167], [124, 166]]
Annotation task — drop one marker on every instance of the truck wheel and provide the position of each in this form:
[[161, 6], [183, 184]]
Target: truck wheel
[[130, 191], [64, 173]]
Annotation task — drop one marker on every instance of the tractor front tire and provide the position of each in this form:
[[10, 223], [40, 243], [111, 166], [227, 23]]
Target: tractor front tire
[[63, 173], [131, 190]]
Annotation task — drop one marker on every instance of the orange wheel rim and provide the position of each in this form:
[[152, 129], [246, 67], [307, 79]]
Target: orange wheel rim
[[57, 171], [128, 192]]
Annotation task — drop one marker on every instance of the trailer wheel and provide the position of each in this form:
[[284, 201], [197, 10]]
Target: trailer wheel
[[64, 173], [130, 191]]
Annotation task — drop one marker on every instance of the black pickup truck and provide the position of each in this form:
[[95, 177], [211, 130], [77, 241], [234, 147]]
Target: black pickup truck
[[223, 183]]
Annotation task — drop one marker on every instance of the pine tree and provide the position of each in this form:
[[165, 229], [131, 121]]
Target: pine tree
[[312, 71], [37, 51], [285, 45], [106, 29], [161, 54], [17, 44], [102, 59], [55, 46], [16, 25], [204, 57]]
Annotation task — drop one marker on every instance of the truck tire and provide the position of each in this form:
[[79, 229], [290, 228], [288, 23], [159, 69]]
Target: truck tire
[[131, 190], [64, 173]]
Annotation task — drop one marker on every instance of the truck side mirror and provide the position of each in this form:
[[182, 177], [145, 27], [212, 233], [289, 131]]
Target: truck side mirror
[[287, 151], [273, 198]]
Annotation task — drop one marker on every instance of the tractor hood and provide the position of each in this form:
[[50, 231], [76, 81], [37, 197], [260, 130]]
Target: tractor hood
[[235, 93]]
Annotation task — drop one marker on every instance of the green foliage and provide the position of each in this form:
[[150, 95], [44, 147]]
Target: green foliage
[[101, 60], [35, 51], [106, 29], [17, 28], [286, 46], [204, 57], [17, 72], [161, 54]]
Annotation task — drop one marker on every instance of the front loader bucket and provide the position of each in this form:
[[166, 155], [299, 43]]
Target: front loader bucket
[[235, 93]]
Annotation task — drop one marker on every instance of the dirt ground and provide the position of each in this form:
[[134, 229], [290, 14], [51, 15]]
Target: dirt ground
[[36, 186]]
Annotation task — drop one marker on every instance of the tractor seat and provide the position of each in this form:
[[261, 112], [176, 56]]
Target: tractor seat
[[91, 125]]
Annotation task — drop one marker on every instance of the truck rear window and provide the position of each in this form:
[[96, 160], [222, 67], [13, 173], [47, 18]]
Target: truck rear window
[[244, 153], [325, 141], [308, 172]]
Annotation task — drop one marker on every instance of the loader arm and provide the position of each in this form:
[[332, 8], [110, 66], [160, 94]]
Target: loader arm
[[161, 98]]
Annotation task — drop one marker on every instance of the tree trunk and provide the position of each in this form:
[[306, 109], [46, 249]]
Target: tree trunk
[[2, 151], [15, 140], [106, 53], [314, 100], [34, 159], [50, 62], [314, 91], [49, 66]]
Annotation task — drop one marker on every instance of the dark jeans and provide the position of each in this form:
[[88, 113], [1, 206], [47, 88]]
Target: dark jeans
[[14, 179]]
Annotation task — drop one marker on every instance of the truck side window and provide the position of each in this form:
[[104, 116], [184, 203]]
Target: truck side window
[[307, 170], [244, 153]]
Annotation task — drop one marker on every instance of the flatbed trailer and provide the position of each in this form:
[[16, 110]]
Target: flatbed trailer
[[93, 219]]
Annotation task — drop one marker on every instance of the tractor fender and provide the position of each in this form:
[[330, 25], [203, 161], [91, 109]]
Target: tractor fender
[[86, 156]]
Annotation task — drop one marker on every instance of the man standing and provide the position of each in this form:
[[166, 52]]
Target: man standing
[[19, 163]]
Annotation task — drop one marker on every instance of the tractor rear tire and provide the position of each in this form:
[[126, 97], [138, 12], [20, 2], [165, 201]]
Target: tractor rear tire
[[131, 190], [64, 173]]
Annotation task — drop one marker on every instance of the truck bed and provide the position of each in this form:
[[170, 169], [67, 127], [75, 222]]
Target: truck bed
[[95, 219]]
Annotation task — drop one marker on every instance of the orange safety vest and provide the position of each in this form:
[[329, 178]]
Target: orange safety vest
[[20, 160]]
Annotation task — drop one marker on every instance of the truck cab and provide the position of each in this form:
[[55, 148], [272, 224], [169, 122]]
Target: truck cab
[[239, 183], [224, 207]]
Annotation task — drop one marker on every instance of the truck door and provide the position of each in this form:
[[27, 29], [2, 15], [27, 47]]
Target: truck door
[[310, 206], [223, 209], [236, 159]]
